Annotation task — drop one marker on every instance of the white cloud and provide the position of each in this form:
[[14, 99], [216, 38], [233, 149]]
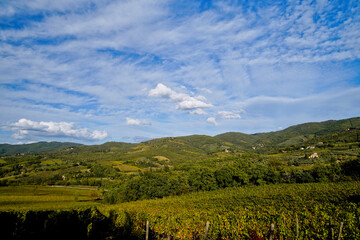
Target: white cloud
[[25, 129], [229, 115], [163, 91], [185, 102], [192, 103], [212, 120], [136, 122]]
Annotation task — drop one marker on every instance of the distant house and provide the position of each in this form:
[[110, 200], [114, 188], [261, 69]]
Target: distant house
[[314, 155]]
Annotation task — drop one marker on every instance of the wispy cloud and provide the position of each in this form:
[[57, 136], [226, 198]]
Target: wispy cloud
[[198, 112], [100, 60], [229, 115], [212, 121], [136, 122]]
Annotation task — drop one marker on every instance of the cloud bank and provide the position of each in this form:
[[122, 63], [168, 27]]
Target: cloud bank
[[27, 129]]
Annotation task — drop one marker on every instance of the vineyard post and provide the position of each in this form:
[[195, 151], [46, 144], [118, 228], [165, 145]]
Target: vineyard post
[[206, 230], [147, 230], [272, 228], [45, 224], [332, 229], [283, 232], [168, 235], [340, 231], [297, 226]]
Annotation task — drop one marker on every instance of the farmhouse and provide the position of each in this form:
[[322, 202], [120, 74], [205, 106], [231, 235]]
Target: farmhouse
[[314, 155]]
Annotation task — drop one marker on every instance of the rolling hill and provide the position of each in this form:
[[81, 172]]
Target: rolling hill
[[291, 135], [198, 146], [8, 149]]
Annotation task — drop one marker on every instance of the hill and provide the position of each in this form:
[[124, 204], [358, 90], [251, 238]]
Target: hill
[[196, 146], [228, 159], [8, 149], [292, 135]]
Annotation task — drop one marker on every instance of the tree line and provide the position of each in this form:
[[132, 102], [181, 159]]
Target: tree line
[[240, 172]]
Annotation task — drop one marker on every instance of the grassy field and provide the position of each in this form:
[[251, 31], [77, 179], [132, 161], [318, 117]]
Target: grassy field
[[47, 197]]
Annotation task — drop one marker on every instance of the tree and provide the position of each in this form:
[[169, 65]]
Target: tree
[[202, 179], [351, 168], [225, 176]]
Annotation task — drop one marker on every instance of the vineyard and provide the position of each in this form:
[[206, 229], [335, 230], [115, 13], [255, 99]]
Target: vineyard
[[247, 213], [298, 211]]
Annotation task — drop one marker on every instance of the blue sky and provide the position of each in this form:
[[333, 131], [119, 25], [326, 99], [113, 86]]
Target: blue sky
[[96, 71]]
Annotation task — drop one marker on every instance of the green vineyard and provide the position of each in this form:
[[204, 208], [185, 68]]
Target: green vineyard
[[306, 211], [298, 211]]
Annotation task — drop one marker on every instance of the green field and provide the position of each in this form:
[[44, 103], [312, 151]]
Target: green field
[[47, 197]]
